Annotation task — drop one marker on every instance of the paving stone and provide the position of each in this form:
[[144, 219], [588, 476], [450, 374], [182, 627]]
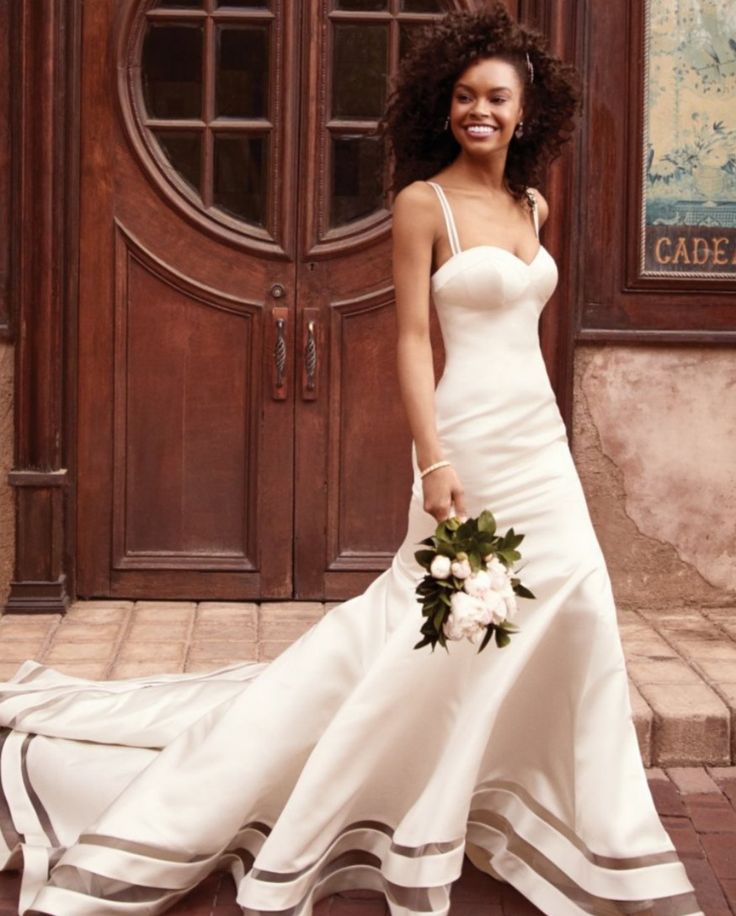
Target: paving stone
[[99, 611], [729, 889], [720, 848], [692, 780], [223, 620], [77, 631], [230, 650], [708, 890], [666, 797], [27, 626], [662, 671], [18, 650], [270, 648], [287, 620], [77, 652], [8, 669], [643, 723], [159, 631], [684, 836], [205, 665], [163, 611], [710, 813], [143, 667], [133, 651], [89, 669], [691, 725]]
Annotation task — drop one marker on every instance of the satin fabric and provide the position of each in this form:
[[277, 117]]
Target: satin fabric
[[353, 760]]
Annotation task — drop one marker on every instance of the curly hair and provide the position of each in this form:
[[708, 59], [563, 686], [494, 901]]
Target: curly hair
[[420, 100]]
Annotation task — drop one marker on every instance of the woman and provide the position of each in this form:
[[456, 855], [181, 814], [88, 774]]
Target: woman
[[351, 760]]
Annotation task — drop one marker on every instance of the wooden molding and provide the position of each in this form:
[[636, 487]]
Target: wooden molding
[[46, 126]]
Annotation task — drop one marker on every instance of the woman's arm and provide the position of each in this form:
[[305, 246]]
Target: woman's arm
[[413, 236], [414, 219]]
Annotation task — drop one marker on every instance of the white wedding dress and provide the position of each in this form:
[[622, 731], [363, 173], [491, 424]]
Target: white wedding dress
[[353, 760]]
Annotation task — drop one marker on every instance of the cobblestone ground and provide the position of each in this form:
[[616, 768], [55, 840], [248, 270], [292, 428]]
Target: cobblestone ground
[[682, 668]]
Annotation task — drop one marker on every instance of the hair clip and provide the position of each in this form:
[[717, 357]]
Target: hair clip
[[530, 68]]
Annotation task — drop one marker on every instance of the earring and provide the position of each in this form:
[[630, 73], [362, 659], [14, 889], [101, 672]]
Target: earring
[[519, 132], [447, 122]]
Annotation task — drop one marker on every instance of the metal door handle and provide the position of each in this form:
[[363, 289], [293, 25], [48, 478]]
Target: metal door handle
[[310, 319], [279, 317]]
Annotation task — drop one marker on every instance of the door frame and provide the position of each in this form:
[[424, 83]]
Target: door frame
[[45, 79]]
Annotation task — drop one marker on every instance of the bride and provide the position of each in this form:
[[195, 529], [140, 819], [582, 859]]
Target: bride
[[354, 760]]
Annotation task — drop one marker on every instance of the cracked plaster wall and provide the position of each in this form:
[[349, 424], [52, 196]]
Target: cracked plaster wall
[[654, 441]]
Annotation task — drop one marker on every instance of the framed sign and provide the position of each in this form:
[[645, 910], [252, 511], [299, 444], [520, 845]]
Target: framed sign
[[688, 205]]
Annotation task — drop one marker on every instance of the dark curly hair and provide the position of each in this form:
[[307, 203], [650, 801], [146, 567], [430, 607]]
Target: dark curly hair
[[419, 102]]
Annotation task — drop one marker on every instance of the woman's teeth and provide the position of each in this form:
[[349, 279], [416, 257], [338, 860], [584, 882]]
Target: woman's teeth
[[480, 131]]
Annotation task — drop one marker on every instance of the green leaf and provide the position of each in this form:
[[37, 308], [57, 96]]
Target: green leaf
[[486, 522], [523, 591], [486, 637], [502, 638], [439, 618], [445, 599], [425, 557]]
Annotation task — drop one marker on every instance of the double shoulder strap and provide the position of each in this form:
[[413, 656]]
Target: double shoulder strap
[[450, 220]]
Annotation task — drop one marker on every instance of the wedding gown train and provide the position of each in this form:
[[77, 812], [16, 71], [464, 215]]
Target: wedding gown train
[[353, 760]]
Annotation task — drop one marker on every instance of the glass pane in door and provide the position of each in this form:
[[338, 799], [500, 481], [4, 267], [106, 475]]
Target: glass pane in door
[[183, 149], [357, 175], [241, 71], [360, 5], [360, 62], [240, 176], [422, 6], [172, 71]]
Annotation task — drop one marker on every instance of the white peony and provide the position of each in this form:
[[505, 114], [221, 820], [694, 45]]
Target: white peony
[[496, 606], [468, 616], [511, 605], [440, 567], [460, 569], [477, 582]]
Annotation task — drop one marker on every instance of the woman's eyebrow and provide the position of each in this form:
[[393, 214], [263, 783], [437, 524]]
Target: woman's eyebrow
[[492, 89]]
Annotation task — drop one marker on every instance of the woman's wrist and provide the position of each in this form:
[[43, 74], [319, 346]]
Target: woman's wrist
[[433, 467]]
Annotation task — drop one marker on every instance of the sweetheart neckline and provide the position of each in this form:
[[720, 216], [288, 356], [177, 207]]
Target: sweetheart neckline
[[493, 248]]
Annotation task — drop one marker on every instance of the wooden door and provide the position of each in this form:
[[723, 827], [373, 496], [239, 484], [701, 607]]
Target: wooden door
[[240, 433]]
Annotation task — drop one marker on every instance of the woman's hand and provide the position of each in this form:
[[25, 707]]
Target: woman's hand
[[442, 489]]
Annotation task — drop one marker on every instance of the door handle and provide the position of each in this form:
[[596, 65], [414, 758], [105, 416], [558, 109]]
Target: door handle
[[279, 319], [310, 349]]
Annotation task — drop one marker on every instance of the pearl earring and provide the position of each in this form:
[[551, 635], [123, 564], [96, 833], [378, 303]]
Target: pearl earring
[[447, 122], [519, 132]]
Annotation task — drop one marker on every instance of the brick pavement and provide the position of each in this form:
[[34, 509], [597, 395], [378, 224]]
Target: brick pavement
[[682, 669]]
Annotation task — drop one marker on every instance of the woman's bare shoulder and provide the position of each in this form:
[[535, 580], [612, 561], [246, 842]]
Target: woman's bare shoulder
[[417, 196]]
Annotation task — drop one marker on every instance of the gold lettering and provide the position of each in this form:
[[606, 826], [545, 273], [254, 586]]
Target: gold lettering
[[701, 251], [658, 254], [719, 255], [681, 251]]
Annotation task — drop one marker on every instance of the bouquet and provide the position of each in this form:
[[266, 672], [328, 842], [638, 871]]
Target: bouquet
[[469, 590]]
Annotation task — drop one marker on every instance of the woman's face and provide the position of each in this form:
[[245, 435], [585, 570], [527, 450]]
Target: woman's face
[[486, 106]]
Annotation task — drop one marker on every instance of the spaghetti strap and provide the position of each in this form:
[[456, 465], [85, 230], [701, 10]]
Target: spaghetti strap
[[532, 198], [449, 221]]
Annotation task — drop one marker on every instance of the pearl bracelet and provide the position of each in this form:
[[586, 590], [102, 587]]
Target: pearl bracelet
[[433, 467]]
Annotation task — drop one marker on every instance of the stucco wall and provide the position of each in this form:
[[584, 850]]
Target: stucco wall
[[7, 511], [654, 440]]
